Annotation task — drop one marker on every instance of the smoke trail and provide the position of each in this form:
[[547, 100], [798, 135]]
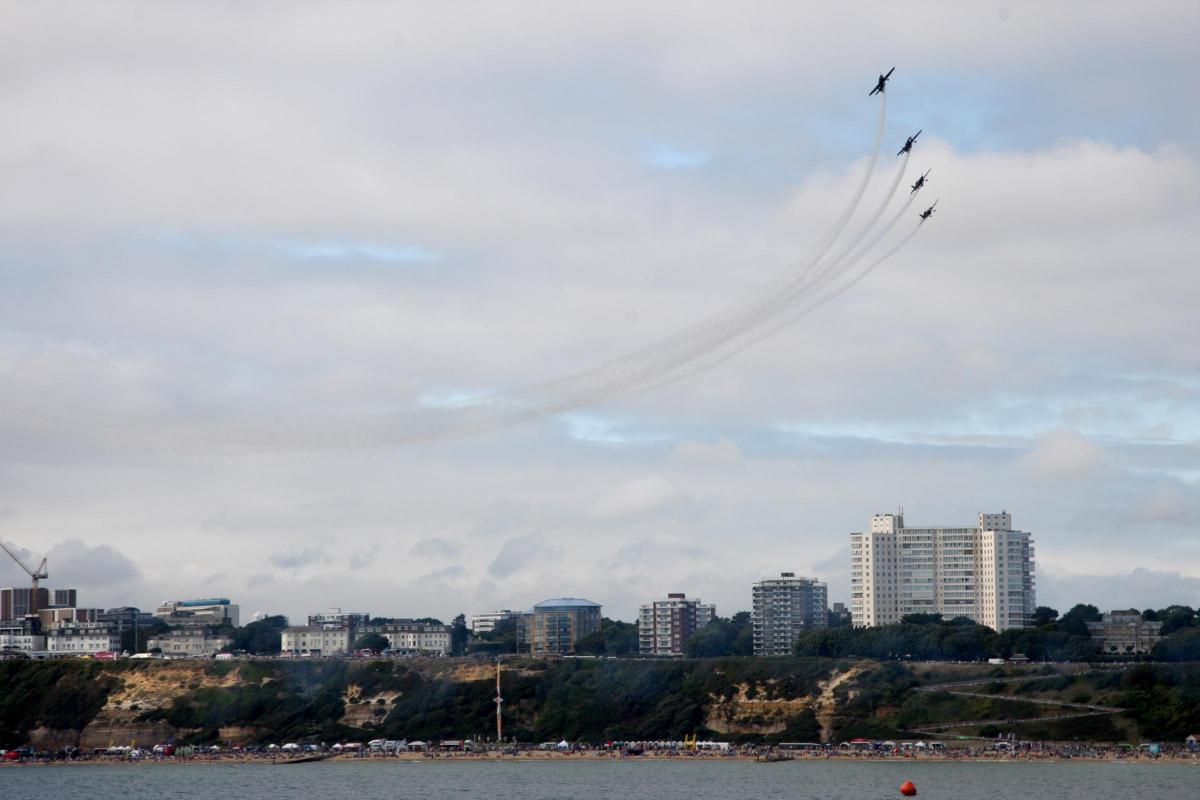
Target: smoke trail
[[722, 335]]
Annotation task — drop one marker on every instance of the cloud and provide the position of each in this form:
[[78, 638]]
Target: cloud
[[721, 453], [521, 553], [1065, 454], [639, 498], [260, 579], [364, 558], [433, 547], [72, 563], [295, 559], [1140, 588]]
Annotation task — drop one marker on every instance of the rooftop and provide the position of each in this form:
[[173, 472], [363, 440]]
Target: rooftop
[[566, 602]]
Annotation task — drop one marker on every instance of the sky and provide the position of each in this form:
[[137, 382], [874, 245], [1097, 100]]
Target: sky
[[231, 233]]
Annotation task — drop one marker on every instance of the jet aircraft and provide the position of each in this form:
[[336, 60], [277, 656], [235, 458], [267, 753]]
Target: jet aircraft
[[920, 181], [908, 144], [927, 213], [883, 79]]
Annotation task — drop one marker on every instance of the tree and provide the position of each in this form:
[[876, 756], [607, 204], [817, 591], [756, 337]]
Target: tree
[[1175, 618], [263, 637], [723, 637], [1075, 621], [921, 619], [1044, 615], [613, 638], [459, 635], [372, 641]]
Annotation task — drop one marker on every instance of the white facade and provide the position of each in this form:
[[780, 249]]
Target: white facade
[[486, 622], [316, 640], [83, 640], [664, 626], [189, 643], [984, 573], [416, 637], [21, 637], [785, 607]]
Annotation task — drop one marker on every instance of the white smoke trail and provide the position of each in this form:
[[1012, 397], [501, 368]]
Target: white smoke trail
[[691, 350]]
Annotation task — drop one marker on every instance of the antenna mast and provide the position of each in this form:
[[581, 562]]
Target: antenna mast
[[499, 705]]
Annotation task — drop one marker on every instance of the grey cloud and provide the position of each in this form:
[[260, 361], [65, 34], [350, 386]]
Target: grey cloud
[[260, 579], [74, 563], [522, 552], [364, 558], [434, 547], [1140, 588], [294, 559]]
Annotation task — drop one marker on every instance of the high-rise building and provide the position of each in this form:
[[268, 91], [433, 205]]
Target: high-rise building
[[984, 573], [15, 602], [556, 625], [785, 607], [664, 626]]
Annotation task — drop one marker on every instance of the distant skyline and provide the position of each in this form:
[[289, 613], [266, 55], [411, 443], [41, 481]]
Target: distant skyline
[[228, 231]]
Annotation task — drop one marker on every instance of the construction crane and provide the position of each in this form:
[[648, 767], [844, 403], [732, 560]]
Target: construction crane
[[36, 574]]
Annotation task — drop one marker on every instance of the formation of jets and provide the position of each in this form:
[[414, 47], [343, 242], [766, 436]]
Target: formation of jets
[[881, 87]]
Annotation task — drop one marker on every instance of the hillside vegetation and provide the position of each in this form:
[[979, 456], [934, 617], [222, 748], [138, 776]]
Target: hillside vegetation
[[738, 699]]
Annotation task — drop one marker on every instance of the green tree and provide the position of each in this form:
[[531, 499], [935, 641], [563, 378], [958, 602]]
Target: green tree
[[613, 638], [372, 641], [263, 637], [723, 637], [459, 635], [1044, 615]]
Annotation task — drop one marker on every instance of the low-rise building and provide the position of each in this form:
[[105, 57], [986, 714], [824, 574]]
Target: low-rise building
[[56, 617], [85, 638], [415, 638], [1124, 632], [24, 635], [338, 618], [485, 622], [209, 611], [190, 642], [316, 640], [664, 626]]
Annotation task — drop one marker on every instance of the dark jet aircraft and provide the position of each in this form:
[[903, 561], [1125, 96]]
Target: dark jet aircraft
[[927, 213], [920, 181], [883, 79], [908, 144]]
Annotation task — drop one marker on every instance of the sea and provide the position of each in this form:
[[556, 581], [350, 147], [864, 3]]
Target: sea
[[554, 779]]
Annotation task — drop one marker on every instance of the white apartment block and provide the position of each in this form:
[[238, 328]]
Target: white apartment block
[[83, 639], [315, 640], [664, 626], [415, 637], [785, 607], [190, 642], [984, 573], [485, 622]]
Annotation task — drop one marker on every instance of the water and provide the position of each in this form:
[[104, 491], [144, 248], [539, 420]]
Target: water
[[563, 780]]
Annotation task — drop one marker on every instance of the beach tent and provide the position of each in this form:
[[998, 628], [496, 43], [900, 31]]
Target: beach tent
[[563, 745], [290, 746]]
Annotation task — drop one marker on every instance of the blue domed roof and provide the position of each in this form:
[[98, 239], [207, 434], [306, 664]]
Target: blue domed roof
[[565, 602]]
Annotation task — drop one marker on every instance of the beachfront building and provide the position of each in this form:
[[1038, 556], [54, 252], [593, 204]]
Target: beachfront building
[[486, 621], [337, 618], [555, 625], [414, 638], [315, 640], [984, 573], [785, 607], [189, 642], [209, 611], [1125, 632], [664, 626], [85, 638]]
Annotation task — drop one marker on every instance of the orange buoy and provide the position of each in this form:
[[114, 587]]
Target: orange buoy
[[908, 789]]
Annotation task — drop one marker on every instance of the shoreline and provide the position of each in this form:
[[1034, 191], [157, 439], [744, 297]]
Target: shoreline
[[242, 760]]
